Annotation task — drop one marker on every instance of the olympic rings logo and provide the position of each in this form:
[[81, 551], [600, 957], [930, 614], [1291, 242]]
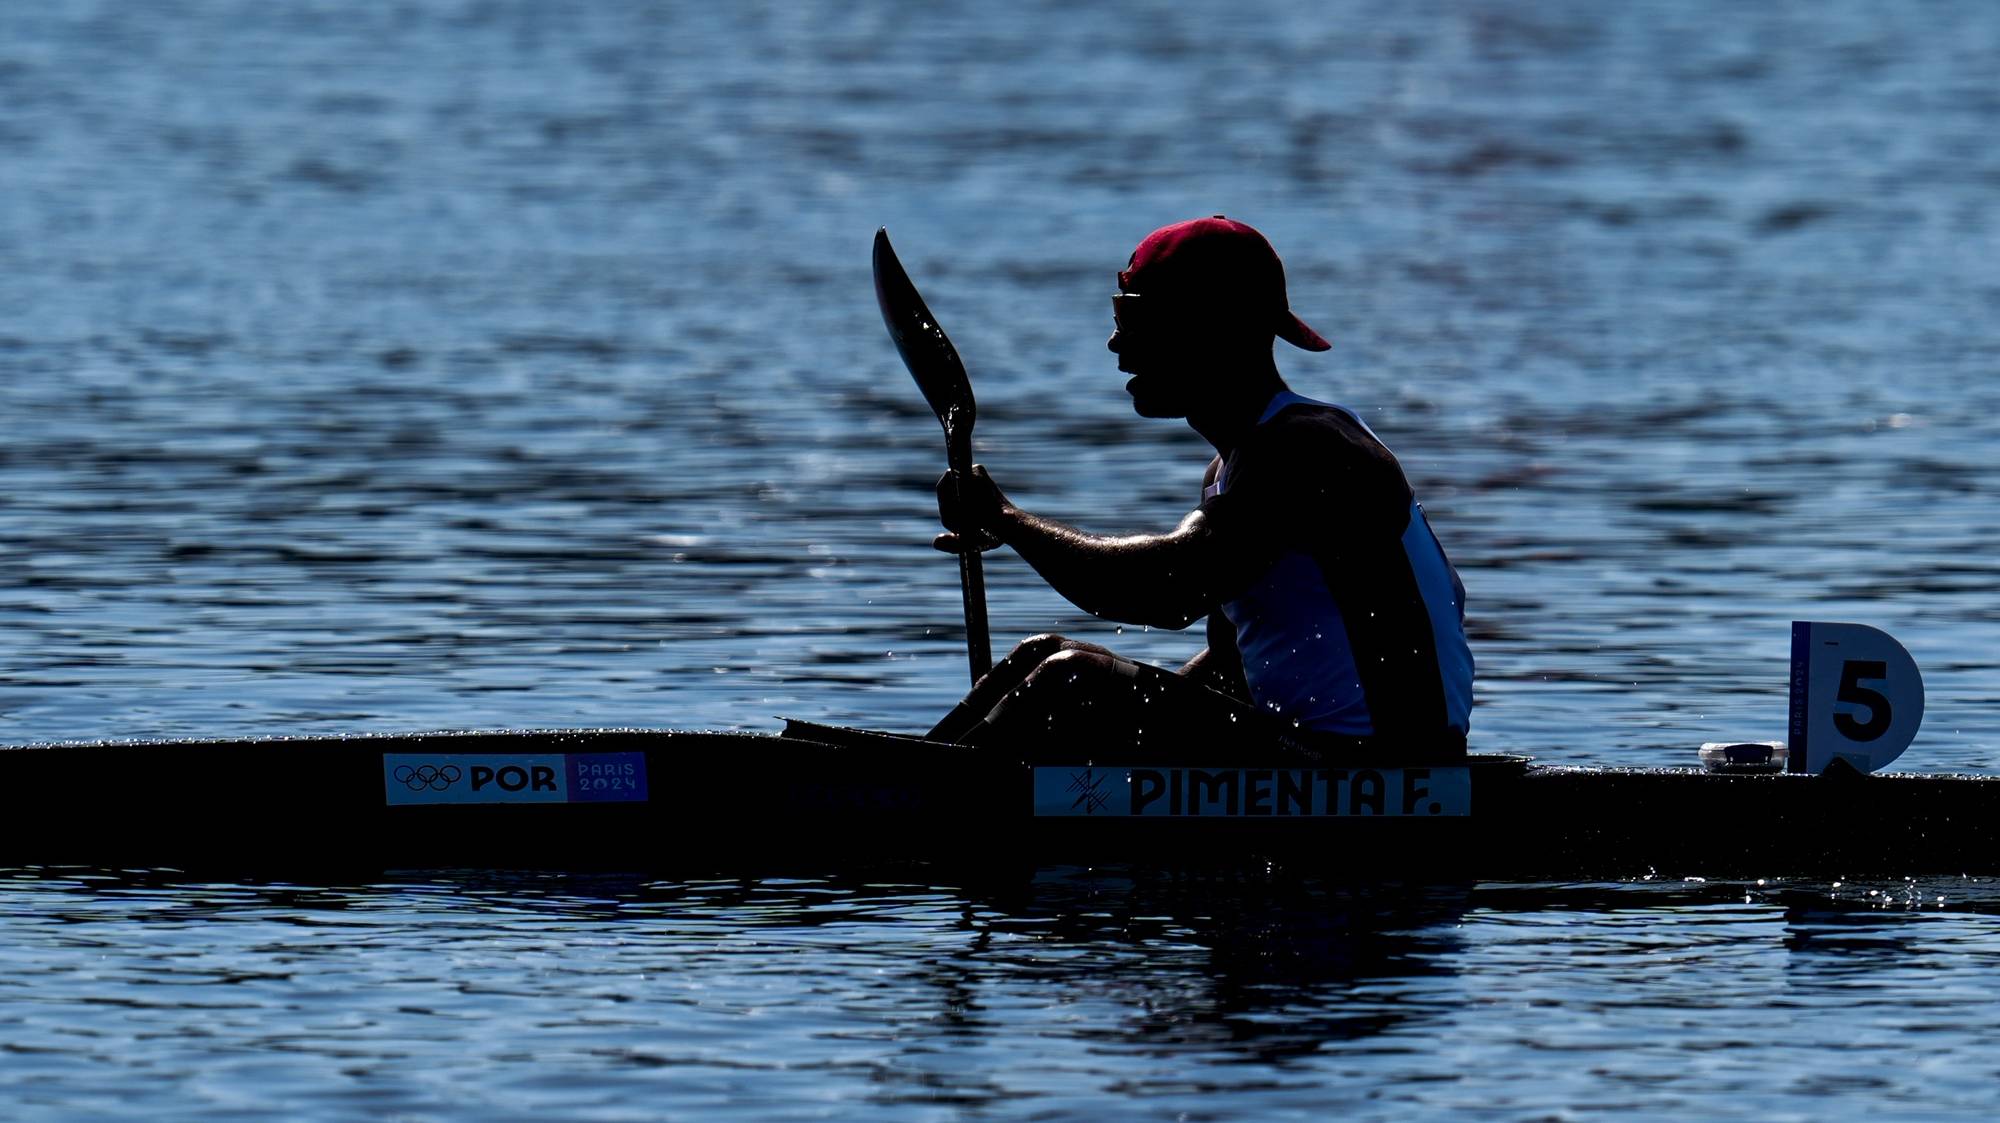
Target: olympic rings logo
[[430, 776]]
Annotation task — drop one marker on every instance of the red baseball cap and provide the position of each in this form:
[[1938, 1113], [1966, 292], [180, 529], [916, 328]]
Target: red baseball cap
[[1221, 259]]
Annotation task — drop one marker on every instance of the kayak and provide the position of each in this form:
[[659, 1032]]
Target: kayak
[[819, 797]]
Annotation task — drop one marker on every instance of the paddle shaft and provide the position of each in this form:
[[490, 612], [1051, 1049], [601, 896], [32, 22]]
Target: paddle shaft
[[978, 648], [971, 570]]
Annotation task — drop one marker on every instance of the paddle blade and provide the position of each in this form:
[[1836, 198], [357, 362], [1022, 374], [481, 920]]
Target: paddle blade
[[934, 363], [932, 360]]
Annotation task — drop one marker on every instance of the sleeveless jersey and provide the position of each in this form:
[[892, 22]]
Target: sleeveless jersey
[[1358, 627]]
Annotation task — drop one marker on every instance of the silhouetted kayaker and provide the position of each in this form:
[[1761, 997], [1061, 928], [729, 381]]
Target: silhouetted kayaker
[[1334, 618]]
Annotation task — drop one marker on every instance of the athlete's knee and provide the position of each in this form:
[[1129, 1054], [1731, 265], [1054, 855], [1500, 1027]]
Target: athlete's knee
[[1046, 684], [1034, 649], [1078, 665]]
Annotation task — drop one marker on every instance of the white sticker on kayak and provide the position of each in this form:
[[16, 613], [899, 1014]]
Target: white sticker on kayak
[[423, 778], [1252, 792]]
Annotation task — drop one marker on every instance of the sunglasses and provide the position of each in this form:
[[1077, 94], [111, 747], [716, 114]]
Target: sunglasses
[[1126, 309]]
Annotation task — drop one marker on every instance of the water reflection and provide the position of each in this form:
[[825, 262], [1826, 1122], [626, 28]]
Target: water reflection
[[909, 987], [1261, 965], [1826, 943]]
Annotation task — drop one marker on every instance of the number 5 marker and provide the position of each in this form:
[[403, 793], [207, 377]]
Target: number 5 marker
[[1856, 697]]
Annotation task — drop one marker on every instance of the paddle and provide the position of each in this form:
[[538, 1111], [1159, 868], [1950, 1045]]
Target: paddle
[[934, 363]]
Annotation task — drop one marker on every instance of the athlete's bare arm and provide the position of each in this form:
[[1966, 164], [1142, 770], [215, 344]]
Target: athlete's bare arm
[[1160, 580]]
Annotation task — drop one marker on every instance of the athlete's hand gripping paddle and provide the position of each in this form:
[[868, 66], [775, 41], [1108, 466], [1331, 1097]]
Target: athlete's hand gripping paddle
[[935, 364]]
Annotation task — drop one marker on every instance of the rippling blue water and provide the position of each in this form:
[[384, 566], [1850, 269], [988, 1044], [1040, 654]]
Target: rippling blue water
[[465, 364], [1067, 996]]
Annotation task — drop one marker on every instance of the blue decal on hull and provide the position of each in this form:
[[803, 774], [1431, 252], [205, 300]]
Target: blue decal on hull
[[606, 777], [1444, 790], [417, 779]]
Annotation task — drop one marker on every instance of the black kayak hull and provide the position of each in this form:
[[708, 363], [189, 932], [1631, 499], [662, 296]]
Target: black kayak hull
[[721, 802]]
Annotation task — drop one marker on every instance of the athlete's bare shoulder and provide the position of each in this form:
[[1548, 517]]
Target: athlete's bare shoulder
[[1314, 428], [1315, 457]]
